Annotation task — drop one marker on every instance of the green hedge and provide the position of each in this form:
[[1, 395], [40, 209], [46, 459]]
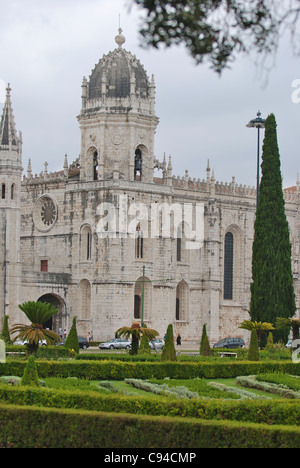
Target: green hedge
[[44, 352], [257, 411], [54, 428], [116, 370]]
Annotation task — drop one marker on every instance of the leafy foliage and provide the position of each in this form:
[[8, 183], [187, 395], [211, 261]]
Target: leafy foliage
[[211, 30], [289, 324], [37, 313], [136, 332]]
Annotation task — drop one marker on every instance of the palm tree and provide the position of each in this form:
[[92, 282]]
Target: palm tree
[[37, 313], [260, 327], [136, 332], [289, 323]]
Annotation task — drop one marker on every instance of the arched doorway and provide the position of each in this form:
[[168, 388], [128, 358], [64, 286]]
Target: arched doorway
[[57, 321]]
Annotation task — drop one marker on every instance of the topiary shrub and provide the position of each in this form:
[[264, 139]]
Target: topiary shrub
[[270, 341], [30, 376], [253, 354], [5, 336], [144, 345], [204, 344], [72, 338], [169, 352]]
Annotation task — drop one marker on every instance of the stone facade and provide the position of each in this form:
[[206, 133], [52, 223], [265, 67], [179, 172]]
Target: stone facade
[[100, 240]]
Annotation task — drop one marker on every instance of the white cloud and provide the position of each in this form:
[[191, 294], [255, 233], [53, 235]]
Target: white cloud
[[47, 47]]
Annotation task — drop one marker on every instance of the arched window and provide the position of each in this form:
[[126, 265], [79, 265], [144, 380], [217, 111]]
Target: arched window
[[12, 191], [228, 266], [95, 165], [138, 165], [137, 307], [139, 243], [178, 244], [3, 191], [86, 244]]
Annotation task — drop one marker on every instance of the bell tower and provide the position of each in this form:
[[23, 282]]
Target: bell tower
[[10, 211], [118, 119]]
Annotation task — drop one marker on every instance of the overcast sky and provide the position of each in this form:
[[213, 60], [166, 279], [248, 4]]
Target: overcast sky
[[47, 46]]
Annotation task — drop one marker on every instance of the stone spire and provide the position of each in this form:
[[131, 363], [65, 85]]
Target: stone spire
[[8, 132]]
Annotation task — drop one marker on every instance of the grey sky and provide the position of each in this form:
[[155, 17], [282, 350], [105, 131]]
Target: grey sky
[[47, 46]]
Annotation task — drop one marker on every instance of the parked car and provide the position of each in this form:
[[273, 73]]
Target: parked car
[[22, 343], [157, 344], [230, 343], [117, 343], [83, 342]]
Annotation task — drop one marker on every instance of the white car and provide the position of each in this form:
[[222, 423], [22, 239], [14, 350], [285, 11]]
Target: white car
[[157, 344], [117, 343], [22, 343]]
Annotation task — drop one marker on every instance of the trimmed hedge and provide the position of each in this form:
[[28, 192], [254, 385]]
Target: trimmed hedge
[[257, 411], [116, 370], [81, 429], [44, 352]]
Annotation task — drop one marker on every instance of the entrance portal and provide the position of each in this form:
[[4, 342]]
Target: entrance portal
[[57, 321]]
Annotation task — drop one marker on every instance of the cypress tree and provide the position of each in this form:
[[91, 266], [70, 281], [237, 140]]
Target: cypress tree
[[272, 289]]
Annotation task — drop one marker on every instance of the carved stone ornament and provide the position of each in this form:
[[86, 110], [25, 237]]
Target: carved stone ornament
[[117, 139], [45, 213]]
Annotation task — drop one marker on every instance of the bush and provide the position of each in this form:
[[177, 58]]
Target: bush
[[169, 352], [204, 344], [58, 428], [5, 336], [72, 338], [253, 354], [30, 376]]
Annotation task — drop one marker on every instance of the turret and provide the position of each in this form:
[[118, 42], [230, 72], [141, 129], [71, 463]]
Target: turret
[[117, 119], [10, 211]]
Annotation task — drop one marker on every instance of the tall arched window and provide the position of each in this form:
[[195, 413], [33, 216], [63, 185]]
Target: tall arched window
[[3, 191], [228, 266], [179, 244], [95, 165], [139, 243], [137, 307], [12, 191], [86, 244], [138, 165]]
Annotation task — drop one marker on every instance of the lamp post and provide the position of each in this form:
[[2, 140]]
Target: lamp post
[[257, 123]]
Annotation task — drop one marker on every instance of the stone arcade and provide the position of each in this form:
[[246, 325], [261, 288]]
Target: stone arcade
[[59, 243]]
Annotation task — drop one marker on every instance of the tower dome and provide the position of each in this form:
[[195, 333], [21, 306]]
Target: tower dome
[[116, 72]]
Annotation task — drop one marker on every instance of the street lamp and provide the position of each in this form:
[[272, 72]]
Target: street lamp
[[257, 123]]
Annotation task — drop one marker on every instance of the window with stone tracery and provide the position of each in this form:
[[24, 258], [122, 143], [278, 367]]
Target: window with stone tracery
[[228, 266]]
